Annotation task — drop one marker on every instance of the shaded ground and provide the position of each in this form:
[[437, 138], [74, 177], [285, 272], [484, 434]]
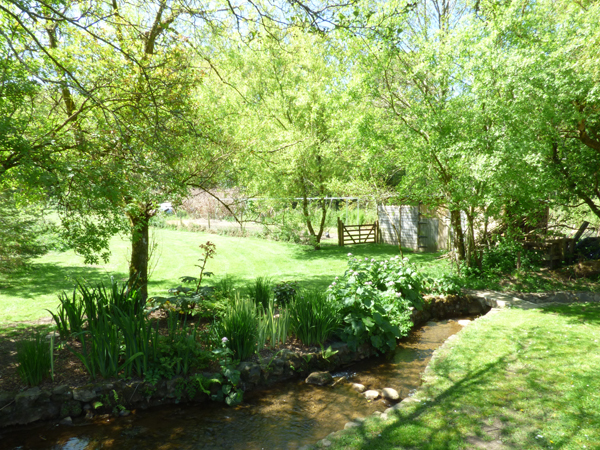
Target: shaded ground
[[577, 277]]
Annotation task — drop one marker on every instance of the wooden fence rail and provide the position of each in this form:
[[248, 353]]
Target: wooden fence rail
[[358, 234]]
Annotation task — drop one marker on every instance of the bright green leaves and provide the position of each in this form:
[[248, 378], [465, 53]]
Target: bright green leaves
[[374, 300]]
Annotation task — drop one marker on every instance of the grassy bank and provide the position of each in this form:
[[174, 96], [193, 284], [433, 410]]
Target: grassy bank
[[514, 380], [26, 295]]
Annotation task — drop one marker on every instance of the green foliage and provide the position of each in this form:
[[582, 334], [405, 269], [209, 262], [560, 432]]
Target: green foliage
[[261, 291], [447, 284], [34, 358], [86, 303], [230, 391], [101, 347], [375, 300], [180, 347], [226, 286], [285, 292], [395, 274], [24, 234], [140, 340], [115, 334], [505, 256], [69, 317], [186, 299], [240, 326], [313, 317], [327, 353], [273, 327]]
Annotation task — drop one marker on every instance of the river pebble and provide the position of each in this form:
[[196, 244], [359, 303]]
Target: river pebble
[[390, 394], [371, 394], [360, 388]]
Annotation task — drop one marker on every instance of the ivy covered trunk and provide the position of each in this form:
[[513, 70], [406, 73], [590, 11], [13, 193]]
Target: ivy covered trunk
[[138, 264]]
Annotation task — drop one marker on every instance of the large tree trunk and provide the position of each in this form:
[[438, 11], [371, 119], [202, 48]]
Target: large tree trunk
[[459, 237], [315, 237], [471, 254], [138, 264]]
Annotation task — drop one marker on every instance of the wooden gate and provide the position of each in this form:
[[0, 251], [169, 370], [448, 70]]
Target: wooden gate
[[358, 234]]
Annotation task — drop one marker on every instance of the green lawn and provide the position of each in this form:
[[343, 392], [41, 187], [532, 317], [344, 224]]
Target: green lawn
[[26, 295], [514, 380]]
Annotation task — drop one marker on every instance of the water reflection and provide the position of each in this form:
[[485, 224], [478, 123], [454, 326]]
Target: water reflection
[[285, 416]]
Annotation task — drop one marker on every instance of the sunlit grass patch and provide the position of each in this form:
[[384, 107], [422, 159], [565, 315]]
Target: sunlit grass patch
[[27, 294]]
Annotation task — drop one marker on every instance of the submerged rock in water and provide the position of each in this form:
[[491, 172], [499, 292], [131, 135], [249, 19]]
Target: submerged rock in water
[[66, 421], [319, 378], [390, 394], [360, 388], [371, 394]]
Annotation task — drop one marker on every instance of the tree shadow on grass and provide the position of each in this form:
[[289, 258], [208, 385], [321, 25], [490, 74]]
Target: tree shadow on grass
[[23, 329], [461, 419], [47, 279], [378, 251], [578, 313]]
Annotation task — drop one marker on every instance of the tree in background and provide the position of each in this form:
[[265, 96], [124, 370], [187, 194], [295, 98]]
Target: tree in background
[[119, 77], [538, 70], [290, 106]]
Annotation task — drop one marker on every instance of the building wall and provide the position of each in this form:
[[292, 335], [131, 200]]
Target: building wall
[[431, 225]]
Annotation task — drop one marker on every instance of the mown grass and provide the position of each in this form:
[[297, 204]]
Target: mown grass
[[24, 296], [514, 380]]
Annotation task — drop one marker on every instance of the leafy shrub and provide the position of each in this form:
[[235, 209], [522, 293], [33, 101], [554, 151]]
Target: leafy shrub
[[33, 356], [445, 285], [180, 349], [229, 377], [240, 326], [313, 318], [504, 257], [395, 274], [285, 292], [375, 300], [261, 291]]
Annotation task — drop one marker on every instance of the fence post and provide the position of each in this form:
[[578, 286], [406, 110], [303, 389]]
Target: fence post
[[340, 227]]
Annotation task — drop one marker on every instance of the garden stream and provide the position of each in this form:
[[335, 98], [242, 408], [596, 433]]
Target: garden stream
[[285, 416]]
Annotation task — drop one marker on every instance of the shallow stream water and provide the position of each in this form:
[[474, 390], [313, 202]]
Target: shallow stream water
[[285, 416]]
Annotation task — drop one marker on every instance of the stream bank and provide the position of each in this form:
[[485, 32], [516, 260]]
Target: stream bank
[[67, 403]]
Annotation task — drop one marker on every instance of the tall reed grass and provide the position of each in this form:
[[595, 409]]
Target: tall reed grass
[[240, 326], [313, 318], [273, 327], [70, 315], [33, 356], [261, 291]]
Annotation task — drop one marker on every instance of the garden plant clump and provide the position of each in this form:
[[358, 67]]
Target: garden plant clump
[[375, 300], [35, 359]]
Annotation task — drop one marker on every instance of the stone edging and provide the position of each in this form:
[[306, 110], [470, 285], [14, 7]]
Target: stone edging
[[492, 299]]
